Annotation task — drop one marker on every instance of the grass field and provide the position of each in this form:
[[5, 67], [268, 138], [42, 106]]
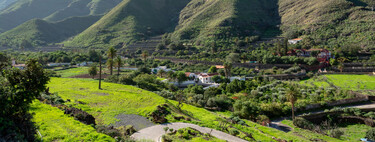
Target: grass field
[[105, 104], [353, 132], [346, 82], [73, 71], [117, 99], [54, 125]]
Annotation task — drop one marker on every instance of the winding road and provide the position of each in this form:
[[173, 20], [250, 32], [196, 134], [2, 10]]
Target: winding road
[[155, 132]]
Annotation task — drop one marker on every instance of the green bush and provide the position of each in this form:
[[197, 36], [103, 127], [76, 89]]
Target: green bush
[[303, 123], [370, 134], [234, 132]]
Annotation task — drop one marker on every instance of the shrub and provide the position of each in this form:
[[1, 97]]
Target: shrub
[[234, 132], [303, 123], [370, 134], [336, 133]]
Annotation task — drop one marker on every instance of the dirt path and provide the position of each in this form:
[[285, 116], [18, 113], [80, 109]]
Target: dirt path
[[155, 132]]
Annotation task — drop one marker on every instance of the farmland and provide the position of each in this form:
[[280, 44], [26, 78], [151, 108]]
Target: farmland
[[117, 99], [72, 72], [346, 82], [54, 125]]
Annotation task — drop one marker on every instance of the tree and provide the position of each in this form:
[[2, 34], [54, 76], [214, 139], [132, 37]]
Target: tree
[[110, 64], [93, 71], [18, 89], [233, 58], [161, 73], [341, 61], [93, 56], [180, 77], [111, 53], [4, 61], [291, 95], [213, 69], [180, 98], [227, 69], [118, 64], [100, 72]]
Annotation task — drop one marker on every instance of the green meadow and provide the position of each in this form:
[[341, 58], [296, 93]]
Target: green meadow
[[73, 72], [115, 99], [343, 81], [54, 125]]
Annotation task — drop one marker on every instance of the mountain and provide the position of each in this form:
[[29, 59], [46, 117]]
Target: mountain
[[332, 23], [225, 19], [51, 10], [134, 20], [39, 32], [24, 10], [83, 8], [129, 21], [5, 3], [321, 23]]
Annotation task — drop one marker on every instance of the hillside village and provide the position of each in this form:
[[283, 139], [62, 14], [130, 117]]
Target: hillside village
[[187, 70]]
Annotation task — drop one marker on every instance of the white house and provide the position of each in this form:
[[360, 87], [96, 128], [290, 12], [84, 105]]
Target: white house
[[295, 41], [206, 78]]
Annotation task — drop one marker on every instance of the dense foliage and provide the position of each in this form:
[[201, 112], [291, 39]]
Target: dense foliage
[[18, 89]]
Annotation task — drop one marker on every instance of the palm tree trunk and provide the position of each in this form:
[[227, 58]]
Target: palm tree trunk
[[100, 72], [118, 71], [293, 117], [111, 69]]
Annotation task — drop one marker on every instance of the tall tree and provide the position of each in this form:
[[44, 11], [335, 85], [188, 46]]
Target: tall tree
[[111, 53], [292, 96], [110, 63], [100, 72], [118, 63], [180, 77], [18, 89], [227, 69]]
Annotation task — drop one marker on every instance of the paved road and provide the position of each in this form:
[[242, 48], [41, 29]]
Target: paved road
[[155, 132], [278, 125]]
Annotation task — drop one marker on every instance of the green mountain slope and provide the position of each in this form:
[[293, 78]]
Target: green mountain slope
[[39, 32], [5, 3], [195, 19], [83, 8], [223, 19], [332, 23], [24, 10], [129, 21], [51, 10]]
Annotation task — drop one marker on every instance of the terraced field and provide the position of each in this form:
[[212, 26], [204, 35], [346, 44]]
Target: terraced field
[[346, 82]]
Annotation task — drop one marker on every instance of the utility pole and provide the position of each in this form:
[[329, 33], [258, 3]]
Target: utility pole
[[100, 71]]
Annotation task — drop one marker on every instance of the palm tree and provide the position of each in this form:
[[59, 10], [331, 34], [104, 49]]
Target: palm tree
[[291, 95], [111, 53], [118, 63], [110, 64], [227, 69], [144, 55]]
